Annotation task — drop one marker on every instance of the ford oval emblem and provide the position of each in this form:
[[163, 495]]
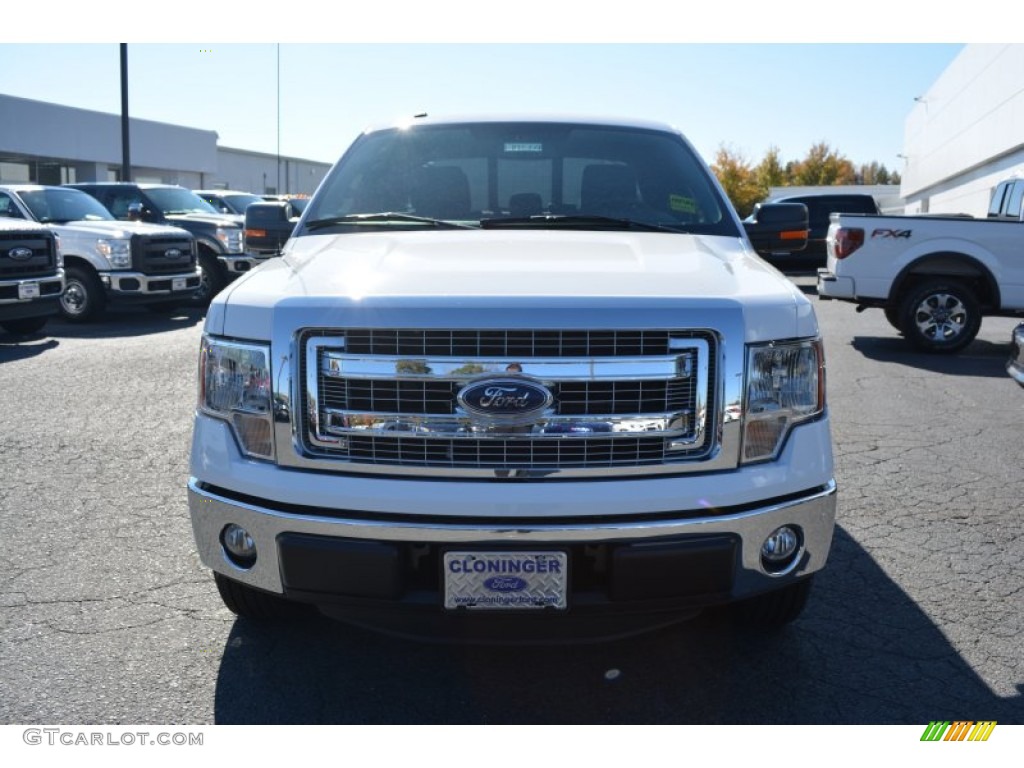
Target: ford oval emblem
[[172, 253], [20, 254], [505, 584], [505, 400]]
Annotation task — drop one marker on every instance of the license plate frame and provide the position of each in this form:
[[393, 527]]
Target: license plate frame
[[179, 283], [488, 580], [28, 291]]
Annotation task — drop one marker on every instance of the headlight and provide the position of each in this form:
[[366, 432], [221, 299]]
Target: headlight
[[785, 385], [231, 239], [234, 385], [118, 252], [58, 252]]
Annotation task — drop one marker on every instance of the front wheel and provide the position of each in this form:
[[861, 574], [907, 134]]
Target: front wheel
[[84, 298], [250, 603], [25, 326], [211, 282], [940, 316]]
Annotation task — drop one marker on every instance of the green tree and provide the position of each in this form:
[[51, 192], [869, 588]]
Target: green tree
[[823, 166], [739, 180], [770, 171]]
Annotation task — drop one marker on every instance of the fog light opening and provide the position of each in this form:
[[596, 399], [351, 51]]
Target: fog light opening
[[781, 550], [239, 548]]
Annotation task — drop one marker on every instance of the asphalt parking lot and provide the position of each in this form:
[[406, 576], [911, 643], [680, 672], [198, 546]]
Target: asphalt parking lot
[[106, 615]]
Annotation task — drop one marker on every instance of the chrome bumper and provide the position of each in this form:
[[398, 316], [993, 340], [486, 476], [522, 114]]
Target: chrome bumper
[[43, 282], [137, 283], [243, 262], [813, 514]]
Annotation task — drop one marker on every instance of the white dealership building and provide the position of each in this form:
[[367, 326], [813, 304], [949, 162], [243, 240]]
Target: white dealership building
[[48, 143], [965, 134]]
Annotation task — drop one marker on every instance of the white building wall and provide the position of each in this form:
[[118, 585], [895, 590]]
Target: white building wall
[[89, 143], [51, 130], [258, 173], [966, 133]]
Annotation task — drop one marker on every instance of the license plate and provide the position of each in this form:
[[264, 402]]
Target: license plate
[[28, 290], [505, 580], [178, 283]]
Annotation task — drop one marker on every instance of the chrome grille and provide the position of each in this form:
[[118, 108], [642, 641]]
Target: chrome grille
[[620, 398], [507, 343]]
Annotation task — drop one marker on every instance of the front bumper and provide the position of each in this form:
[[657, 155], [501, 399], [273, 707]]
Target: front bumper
[[238, 264], [383, 570], [128, 285], [1015, 364], [44, 301]]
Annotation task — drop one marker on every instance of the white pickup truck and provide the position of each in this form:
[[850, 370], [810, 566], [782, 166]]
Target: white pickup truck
[[106, 260], [935, 277], [516, 377]]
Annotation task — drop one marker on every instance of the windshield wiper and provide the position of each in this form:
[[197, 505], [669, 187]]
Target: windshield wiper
[[374, 218], [575, 220]]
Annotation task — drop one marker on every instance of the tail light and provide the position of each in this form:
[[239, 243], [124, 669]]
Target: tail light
[[847, 240]]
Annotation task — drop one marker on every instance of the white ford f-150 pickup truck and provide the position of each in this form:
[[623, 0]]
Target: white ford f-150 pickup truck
[[934, 276], [516, 378]]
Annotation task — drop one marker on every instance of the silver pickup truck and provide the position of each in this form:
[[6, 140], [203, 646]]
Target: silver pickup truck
[[516, 377]]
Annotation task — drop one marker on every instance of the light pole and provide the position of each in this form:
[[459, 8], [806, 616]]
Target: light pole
[[278, 188], [126, 158]]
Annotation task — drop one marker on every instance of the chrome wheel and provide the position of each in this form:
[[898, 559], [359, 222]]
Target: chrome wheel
[[83, 298], [74, 299], [941, 317]]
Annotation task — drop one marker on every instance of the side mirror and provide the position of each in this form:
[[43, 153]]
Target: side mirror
[[777, 227], [136, 212]]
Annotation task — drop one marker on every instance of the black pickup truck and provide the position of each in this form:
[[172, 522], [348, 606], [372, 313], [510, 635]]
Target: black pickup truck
[[820, 208], [31, 276]]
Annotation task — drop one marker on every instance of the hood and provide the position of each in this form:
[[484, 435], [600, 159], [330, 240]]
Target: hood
[[214, 219], [118, 228], [481, 270]]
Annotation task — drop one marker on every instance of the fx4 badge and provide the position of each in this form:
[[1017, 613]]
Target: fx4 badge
[[900, 233]]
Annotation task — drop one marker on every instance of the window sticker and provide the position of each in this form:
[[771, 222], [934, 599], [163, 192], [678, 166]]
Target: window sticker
[[523, 146], [682, 204]]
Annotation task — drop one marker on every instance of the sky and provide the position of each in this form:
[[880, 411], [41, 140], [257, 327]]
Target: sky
[[744, 97], [306, 78]]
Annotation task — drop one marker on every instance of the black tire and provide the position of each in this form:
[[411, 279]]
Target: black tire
[[25, 326], [940, 316], [250, 603], [83, 299], [892, 314], [212, 280], [773, 610]]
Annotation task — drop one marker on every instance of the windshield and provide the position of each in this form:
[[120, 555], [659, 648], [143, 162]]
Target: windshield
[[62, 204], [234, 203], [172, 200], [521, 174]]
